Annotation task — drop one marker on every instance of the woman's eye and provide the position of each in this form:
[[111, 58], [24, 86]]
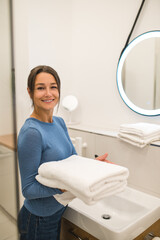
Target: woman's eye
[[43, 88], [40, 88]]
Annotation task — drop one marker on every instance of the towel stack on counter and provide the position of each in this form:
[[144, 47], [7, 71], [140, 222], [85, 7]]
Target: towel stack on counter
[[88, 179], [139, 134]]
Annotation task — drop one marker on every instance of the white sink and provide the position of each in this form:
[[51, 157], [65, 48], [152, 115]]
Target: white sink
[[128, 214]]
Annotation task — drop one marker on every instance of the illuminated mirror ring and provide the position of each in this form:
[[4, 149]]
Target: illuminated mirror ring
[[122, 59]]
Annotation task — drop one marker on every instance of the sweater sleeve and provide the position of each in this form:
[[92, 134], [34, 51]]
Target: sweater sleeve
[[29, 156], [67, 134]]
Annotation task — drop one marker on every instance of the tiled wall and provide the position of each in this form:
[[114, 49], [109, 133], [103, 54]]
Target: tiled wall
[[143, 164]]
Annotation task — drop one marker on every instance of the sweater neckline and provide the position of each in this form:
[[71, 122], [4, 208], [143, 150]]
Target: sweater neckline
[[41, 122]]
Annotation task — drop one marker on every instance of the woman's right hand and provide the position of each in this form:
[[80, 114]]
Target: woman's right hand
[[63, 190]]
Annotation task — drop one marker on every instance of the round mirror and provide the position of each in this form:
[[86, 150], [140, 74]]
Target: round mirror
[[70, 103], [138, 74]]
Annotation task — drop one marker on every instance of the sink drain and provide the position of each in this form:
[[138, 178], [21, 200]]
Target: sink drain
[[106, 216]]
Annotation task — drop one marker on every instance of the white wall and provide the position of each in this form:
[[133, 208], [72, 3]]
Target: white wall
[[20, 15], [6, 125], [82, 40]]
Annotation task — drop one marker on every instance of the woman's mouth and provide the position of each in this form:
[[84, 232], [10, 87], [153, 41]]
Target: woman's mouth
[[48, 100]]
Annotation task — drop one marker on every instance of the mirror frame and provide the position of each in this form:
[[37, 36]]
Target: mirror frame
[[121, 61]]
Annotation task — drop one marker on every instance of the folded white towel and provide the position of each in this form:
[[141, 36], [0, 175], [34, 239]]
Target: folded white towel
[[85, 178], [141, 129], [64, 198], [139, 134], [136, 140]]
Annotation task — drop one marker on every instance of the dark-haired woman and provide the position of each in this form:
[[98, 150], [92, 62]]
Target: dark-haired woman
[[42, 138]]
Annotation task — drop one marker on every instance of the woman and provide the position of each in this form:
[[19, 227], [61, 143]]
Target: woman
[[42, 138]]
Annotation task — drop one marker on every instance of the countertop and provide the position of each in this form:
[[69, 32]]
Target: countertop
[[8, 141], [101, 131]]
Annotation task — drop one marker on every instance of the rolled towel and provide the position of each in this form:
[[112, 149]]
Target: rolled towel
[[85, 178], [156, 238]]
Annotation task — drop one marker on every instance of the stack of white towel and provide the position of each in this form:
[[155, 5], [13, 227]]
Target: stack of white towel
[[85, 178], [139, 134]]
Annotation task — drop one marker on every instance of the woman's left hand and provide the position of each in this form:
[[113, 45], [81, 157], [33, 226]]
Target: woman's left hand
[[103, 158]]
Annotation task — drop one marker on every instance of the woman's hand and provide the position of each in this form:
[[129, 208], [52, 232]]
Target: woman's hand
[[103, 158], [63, 190]]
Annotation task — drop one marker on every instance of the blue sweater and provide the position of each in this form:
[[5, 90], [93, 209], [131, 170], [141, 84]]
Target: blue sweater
[[40, 142]]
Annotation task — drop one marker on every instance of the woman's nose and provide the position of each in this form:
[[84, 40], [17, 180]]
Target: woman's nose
[[48, 92]]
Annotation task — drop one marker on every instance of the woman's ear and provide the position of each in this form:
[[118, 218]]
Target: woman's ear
[[29, 92], [31, 96]]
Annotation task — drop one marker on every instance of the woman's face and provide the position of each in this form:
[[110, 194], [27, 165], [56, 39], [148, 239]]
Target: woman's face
[[46, 94]]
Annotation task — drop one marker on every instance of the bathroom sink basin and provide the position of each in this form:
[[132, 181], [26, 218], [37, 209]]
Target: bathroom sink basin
[[119, 217]]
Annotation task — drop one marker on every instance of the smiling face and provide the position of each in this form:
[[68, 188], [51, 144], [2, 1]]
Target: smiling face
[[46, 94]]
